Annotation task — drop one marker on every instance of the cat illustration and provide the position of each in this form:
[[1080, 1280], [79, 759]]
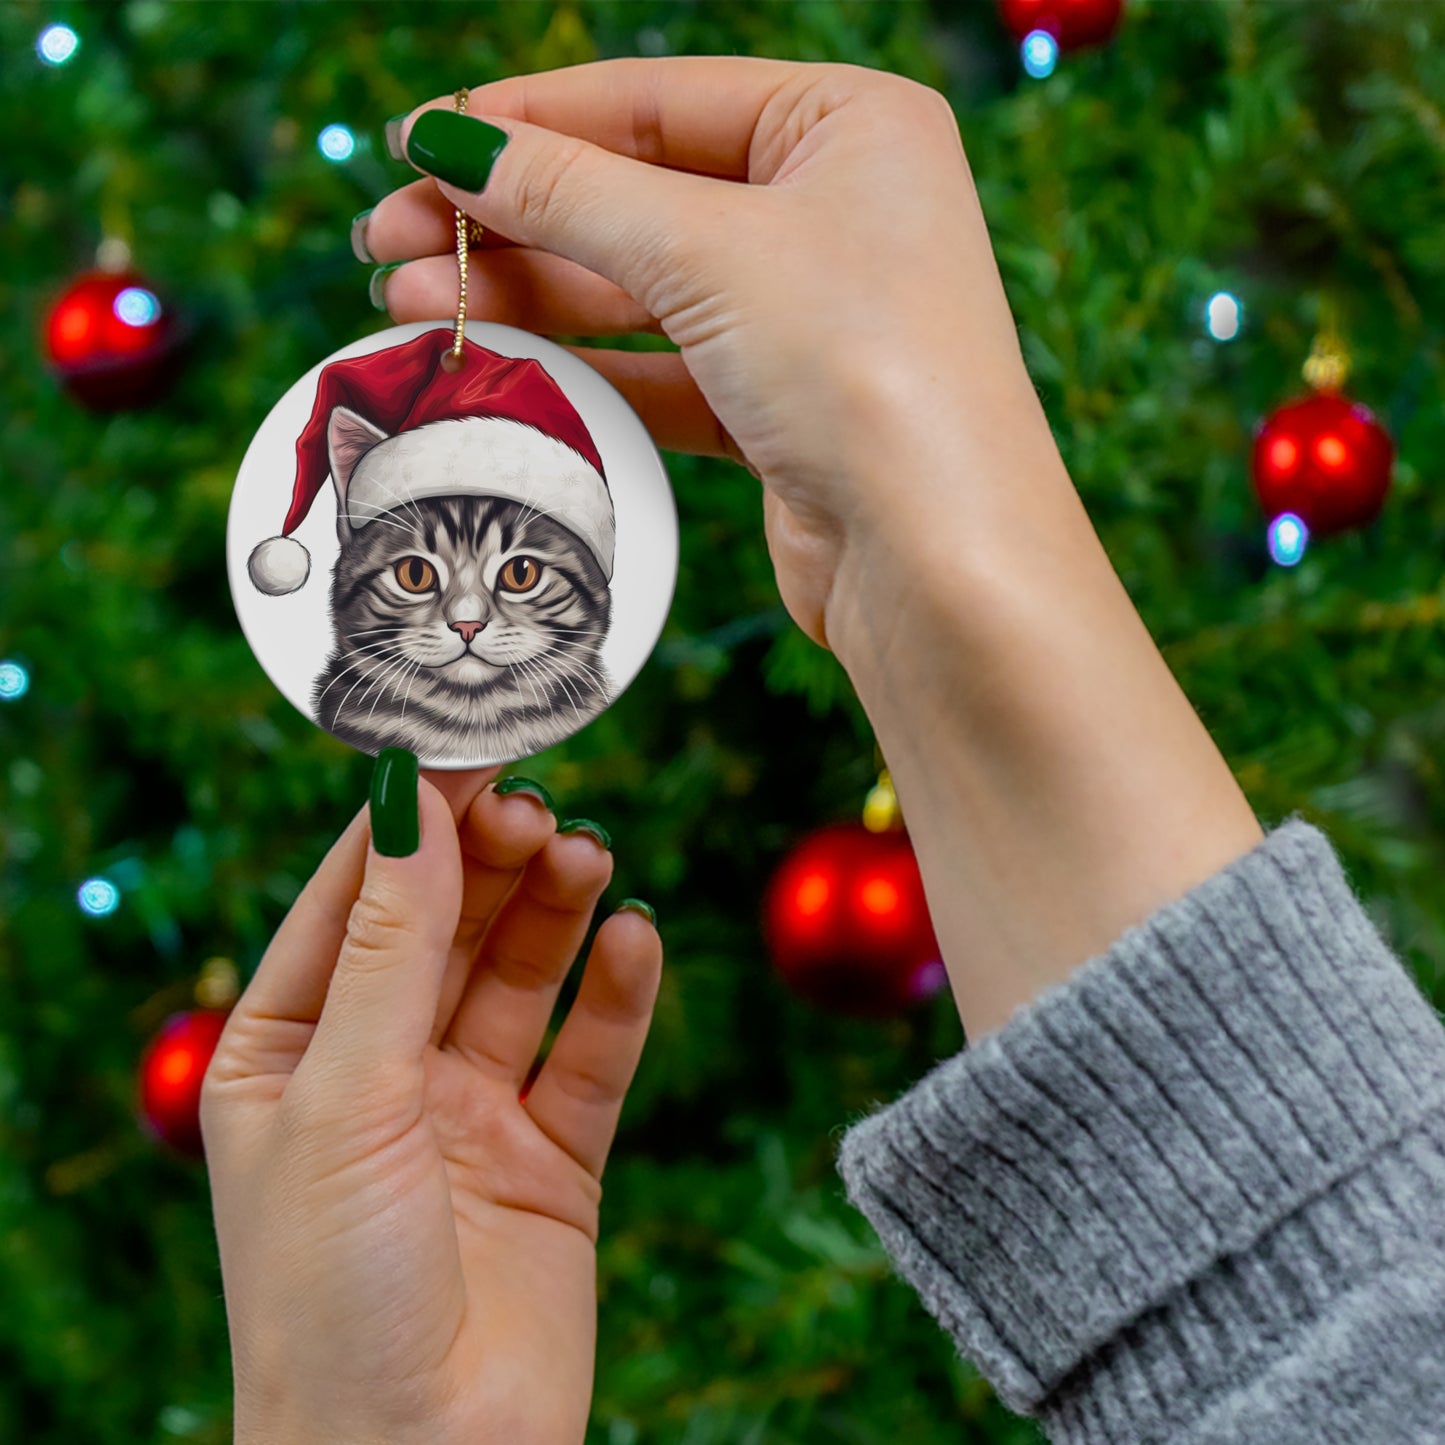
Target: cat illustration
[[463, 627], [471, 598]]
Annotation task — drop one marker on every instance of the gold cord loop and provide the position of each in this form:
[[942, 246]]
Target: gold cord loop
[[467, 230]]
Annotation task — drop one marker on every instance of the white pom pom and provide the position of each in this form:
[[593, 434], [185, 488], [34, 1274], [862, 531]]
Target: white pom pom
[[279, 565]]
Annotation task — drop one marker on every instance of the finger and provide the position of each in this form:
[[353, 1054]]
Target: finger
[[500, 834], [289, 986], [417, 220], [382, 997], [659, 388], [620, 218], [460, 788], [533, 290], [690, 113], [504, 1010], [577, 1098]]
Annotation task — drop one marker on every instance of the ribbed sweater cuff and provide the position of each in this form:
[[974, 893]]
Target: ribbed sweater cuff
[[1143, 1165]]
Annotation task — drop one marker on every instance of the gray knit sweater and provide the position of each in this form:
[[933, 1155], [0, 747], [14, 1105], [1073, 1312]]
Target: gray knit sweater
[[1196, 1192]]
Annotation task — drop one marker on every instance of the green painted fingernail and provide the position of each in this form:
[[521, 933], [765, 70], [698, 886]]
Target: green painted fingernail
[[392, 132], [586, 825], [376, 289], [515, 784], [395, 813], [455, 148], [359, 248], [636, 905]]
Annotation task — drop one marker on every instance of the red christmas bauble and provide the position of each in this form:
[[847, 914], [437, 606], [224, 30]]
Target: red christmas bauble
[[847, 923], [112, 341], [1324, 458], [1073, 23], [171, 1071]]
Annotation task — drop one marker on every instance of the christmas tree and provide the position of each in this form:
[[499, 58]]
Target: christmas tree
[[1179, 215]]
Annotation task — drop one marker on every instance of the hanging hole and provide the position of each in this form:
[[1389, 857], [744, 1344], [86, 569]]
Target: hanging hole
[[453, 362]]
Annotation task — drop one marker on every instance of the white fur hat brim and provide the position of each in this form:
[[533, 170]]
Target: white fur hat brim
[[486, 456]]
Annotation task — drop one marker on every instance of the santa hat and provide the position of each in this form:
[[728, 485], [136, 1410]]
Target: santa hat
[[395, 426]]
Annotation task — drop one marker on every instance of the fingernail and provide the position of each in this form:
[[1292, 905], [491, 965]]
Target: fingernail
[[376, 287], [515, 784], [393, 137], [395, 820], [636, 905], [359, 248], [586, 825], [455, 148]]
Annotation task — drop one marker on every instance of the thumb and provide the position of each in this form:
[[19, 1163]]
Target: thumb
[[382, 1000], [623, 219]]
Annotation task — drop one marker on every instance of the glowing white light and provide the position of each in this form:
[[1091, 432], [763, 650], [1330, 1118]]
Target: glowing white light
[[1288, 537], [1223, 316], [57, 44], [98, 897], [14, 681], [1040, 53], [336, 143], [137, 307]]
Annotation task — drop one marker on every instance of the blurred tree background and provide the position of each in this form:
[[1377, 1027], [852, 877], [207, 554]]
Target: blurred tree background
[[1286, 153]]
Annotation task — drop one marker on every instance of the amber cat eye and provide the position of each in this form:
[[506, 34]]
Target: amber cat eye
[[521, 574], [416, 574]]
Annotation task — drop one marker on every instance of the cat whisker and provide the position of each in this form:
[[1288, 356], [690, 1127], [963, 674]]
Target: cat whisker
[[376, 649], [576, 661], [527, 512], [531, 689], [377, 661], [416, 668], [381, 515], [406, 502], [561, 682], [341, 706], [351, 667], [541, 512], [395, 670], [531, 668]]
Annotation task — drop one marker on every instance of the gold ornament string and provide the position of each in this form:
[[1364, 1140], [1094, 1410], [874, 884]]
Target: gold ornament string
[[467, 231], [881, 813], [1328, 366]]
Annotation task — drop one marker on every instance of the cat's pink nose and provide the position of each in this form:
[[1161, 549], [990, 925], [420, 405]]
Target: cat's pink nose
[[468, 630]]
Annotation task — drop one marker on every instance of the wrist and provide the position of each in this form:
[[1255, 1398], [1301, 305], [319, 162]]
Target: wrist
[[1057, 784], [948, 519]]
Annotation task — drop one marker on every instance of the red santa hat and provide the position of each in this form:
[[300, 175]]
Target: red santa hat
[[395, 426]]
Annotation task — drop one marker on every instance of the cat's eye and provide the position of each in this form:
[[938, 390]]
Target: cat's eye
[[521, 574], [416, 574]]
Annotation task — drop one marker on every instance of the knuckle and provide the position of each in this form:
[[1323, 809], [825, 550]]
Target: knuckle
[[587, 1085], [541, 189], [521, 970], [374, 934], [924, 101]]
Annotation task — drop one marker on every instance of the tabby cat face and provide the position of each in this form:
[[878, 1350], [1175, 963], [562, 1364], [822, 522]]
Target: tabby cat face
[[471, 591]]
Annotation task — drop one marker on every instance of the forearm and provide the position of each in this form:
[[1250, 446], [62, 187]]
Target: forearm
[[1057, 784]]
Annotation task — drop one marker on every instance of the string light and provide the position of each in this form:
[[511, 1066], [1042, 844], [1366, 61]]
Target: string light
[[1040, 52], [57, 44], [1288, 537], [14, 681], [1223, 316], [336, 143], [137, 307], [98, 897]]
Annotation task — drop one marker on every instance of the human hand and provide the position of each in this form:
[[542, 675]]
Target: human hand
[[810, 237], [837, 309], [407, 1246]]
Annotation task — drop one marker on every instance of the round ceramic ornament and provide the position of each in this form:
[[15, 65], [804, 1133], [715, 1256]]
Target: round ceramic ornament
[[465, 548]]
